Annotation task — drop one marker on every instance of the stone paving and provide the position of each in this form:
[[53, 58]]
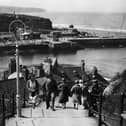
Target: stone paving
[[61, 117]]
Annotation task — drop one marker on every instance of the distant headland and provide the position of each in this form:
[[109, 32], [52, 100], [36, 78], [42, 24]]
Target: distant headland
[[33, 22], [11, 9]]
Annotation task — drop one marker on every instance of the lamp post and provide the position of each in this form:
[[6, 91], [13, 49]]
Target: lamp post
[[18, 97], [18, 105]]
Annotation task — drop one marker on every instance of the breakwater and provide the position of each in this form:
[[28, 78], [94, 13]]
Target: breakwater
[[101, 42]]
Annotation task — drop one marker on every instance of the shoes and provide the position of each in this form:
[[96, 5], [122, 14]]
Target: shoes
[[63, 107], [74, 106], [34, 106], [53, 109], [47, 107]]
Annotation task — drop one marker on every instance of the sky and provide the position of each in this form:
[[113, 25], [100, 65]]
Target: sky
[[71, 5]]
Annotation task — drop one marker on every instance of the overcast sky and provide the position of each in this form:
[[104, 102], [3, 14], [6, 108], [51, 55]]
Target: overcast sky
[[71, 5]]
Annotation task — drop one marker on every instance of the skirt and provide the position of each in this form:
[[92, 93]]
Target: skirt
[[76, 99]]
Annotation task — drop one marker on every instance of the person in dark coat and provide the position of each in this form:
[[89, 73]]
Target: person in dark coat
[[50, 89], [64, 93], [25, 72], [83, 72], [76, 95], [96, 76], [96, 90]]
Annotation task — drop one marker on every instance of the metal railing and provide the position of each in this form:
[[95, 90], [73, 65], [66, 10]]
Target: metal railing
[[8, 105], [96, 107]]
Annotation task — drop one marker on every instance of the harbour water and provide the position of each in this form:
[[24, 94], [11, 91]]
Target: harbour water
[[108, 60]]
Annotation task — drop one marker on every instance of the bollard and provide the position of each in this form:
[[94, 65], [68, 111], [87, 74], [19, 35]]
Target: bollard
[[3, 110], [100, 112]]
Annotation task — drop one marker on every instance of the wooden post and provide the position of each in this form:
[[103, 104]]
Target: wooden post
[[13, 104], [100, 111], [121, 108], [3, 110]]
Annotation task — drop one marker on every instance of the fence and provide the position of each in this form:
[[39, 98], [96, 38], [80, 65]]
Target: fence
[[8, 98], [109, 110], [7, 107]]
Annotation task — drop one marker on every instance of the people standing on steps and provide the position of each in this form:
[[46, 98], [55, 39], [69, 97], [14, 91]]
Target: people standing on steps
[[63, 93], [33, 88], [76, 92], [50, 88]]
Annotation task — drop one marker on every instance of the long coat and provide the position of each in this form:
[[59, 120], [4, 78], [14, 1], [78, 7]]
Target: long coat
[[76, 94], [64, 93]]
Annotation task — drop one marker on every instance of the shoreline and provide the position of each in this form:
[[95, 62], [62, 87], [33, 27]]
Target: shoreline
[[100, 31]]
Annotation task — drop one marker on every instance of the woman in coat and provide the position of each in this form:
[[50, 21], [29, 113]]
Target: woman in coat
[[76, 95], [63, 93]]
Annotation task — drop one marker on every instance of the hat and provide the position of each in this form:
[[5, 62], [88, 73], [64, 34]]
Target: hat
[[80, 81], [63, 79], [94, 81], [76, 81], [74, 71]]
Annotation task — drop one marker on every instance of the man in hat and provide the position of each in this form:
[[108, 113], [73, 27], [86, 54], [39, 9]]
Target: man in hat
[[81, 83], [96, 76], [83, 72]]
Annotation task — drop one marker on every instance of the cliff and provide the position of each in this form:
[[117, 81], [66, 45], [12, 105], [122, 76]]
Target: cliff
[[32, 22]]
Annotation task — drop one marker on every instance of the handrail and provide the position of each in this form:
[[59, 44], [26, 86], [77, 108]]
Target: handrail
[[100, 113], [8, 105], [122, 107]]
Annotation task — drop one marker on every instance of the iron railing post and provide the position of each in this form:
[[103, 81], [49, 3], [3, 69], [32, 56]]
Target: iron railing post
[[100, 111], [121, 108], [24, 98], [3, 110], [13, 104]]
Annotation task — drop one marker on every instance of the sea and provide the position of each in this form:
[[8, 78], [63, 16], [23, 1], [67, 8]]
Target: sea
[[107, 60]]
